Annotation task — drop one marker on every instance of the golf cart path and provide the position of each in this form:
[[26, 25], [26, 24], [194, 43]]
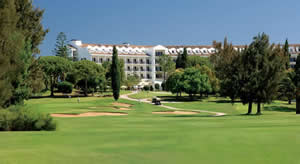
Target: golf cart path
[[125, 96]]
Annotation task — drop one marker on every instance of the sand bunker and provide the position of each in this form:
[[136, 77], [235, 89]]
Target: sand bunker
[[175, 112], [125, 109], [89, 114], [122, 105]]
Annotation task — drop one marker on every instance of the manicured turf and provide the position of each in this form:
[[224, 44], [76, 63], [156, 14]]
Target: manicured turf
[[149, 95], [142, 137]]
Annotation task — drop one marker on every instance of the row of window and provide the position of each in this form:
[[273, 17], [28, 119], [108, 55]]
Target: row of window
[[148, 76], [135, 68]]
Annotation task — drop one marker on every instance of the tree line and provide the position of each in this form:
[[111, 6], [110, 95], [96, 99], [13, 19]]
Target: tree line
[[254, 74]]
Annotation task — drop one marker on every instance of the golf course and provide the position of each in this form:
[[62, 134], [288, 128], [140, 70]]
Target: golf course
[[135, 132]]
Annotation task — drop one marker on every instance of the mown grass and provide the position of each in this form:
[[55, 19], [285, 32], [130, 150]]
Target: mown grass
[[142, 137]]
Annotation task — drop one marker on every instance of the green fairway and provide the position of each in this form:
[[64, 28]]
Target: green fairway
[[142, 137]]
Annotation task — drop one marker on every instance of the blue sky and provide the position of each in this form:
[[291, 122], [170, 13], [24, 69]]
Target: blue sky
[[169, 22]]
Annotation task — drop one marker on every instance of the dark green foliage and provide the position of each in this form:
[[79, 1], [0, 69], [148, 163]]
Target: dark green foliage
[[178, 61], [146, 88], [115, 75], [181, 61], [89, 75], [174, 83], [54, 67], [195, 82], [11, 47], [163, 86], [30, 23], [21, 119], [287, 88], [297, 82], [157, 86], [227, 65], [61, 48], [151, 88], [263, 67], [287, 54], [65, 87], [196, 61]]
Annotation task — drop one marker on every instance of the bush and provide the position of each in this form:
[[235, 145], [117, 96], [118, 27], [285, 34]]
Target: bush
[[21, 119], [65, 87], [146, 88], [156, 86]]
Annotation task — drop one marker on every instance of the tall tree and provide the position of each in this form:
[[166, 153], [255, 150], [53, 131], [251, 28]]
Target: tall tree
[[287, 54], [115, 74], [184, 58], [11, 46], [61, 48], [167, 65], [30, 23], [54, 67], [226, 63], [266, 68], [297, 82], [178, 60]]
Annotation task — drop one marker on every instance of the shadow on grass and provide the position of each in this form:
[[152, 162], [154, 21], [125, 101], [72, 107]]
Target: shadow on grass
[[224, 101], [279, 109], [180, 99]]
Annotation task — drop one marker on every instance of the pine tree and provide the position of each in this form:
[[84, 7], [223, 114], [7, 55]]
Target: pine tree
[[115, 74], [297, 82], [30, 23], [61, 48], [287, 54], [11, 46]]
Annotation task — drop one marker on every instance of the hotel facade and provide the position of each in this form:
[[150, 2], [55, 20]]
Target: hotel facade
[[143, 60]]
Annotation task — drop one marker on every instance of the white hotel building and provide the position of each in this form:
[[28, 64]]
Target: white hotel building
[[142, 60]]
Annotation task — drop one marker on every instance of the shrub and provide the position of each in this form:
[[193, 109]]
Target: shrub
[[157, 86], [21, 119], [146, 88], [65, 87]]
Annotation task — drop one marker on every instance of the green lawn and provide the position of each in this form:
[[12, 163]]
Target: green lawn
[[144, 138], [149, 95]]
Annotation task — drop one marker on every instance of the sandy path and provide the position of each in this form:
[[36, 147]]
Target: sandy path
[[125, 96]]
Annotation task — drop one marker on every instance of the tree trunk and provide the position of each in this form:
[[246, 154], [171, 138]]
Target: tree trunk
[[249, 108], [258, 109], [52, 86], [290, 102], [85, 88], [298, 105]]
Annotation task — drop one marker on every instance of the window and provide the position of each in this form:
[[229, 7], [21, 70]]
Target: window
[[148, 76], [128, 68], [148, 61], [128, 61], [135, 68], [94, 59], [101, 60], [108, 59], [158, 53], [142, 61], [142, 75], [148, 68], [142, 69], [134, 60]]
